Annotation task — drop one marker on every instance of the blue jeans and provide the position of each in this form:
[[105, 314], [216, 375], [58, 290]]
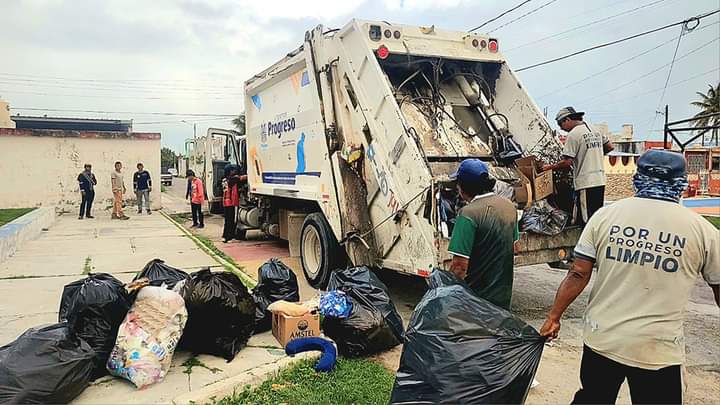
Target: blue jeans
[[143, 195]]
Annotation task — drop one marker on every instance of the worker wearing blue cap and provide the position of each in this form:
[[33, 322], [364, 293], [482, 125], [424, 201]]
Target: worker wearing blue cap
[[649, 251], [483, 236]]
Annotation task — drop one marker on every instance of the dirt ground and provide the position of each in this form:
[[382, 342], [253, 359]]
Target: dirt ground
[[533, 292]]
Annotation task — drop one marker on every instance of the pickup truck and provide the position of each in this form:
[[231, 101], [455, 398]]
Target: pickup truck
[[351, 139]]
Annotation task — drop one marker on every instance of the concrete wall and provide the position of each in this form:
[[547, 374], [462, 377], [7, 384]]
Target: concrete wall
[[40, 167], [5, 121], [618, 186], [25, 228]]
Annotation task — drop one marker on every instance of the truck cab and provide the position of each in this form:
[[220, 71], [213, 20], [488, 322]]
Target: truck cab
[[208, 158]]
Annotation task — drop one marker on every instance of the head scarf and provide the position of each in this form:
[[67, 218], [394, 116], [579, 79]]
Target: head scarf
[[661, 189]]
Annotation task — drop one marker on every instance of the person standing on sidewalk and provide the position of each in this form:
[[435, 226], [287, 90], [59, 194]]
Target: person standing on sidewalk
[[649, 251], [87, 182], [196, 193], [584, 152], [118, 189], [142, 184], [231, 202]]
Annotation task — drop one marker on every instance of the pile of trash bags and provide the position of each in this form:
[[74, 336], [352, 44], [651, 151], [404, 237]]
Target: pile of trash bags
[[373, 323], [544, 219], [276, 282], [460, 348], [132, 331]]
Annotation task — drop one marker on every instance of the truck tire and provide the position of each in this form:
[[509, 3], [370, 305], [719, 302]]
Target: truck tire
[[320, 252], [216, 207]]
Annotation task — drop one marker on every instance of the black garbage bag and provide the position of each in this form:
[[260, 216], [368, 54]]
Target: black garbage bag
[[275, 282], [94, 308], [544, 219], [159, 273], [45, 366], [461, 349], [374, 325], [221, 314]]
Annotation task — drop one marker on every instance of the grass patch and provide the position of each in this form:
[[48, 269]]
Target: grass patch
[[194, 362], [87, 267], [210, 245], [715, 221], [9, 214], [354, 381]]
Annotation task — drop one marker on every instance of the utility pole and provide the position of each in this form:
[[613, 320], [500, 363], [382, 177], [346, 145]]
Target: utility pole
[[194, 130]]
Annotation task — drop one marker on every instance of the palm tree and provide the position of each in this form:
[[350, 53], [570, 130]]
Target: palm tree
[[239, 123], [709, 104]]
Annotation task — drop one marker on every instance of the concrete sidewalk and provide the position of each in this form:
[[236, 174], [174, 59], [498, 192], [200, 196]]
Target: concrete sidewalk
[[31, 284]]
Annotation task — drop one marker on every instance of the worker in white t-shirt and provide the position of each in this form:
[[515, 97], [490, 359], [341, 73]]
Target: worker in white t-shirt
[[584, 152], [649, 251]]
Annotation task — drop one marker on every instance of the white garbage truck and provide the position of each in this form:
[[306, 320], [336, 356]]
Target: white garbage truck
[[352, 137]]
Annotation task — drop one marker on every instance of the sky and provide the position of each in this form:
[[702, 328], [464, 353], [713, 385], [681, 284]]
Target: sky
[[159, 62]]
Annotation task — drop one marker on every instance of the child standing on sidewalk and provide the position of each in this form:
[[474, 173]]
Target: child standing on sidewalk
[[196, 193]]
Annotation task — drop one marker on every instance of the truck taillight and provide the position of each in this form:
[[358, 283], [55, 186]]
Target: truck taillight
[[383, 52], [493, 45]]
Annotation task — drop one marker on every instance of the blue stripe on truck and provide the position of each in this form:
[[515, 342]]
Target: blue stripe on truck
[[285, 177]]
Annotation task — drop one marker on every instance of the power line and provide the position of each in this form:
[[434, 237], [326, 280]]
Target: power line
[[176, 121], [644, 75], [111, 80], [660, 88], [614, 66], [501, 14], [126, 112], [586, 25], [191, 97], [523, 16], [606, 44], [103, 87], [683, 30]]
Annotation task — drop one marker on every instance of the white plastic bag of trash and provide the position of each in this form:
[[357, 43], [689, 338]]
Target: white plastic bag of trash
[[148, 336]]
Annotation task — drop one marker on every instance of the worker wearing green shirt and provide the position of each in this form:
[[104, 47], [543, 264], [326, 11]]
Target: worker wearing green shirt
[[482, 242]]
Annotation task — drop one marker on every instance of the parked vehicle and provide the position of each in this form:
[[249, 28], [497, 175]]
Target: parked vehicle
[[166, 179], [208, 156], [351, 139]]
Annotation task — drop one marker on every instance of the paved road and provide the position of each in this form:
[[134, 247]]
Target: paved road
[[533, 293]]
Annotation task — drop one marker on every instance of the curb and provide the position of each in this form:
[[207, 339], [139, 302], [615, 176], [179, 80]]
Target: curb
[[223, 388], [24, 228], [249, 282]]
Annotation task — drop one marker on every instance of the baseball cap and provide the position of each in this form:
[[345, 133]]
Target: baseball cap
[[470, 170], [568, 112], [662, 164]]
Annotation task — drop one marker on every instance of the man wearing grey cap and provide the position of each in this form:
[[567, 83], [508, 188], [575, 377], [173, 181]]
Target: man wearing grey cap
[[649, 251], [583, 152]]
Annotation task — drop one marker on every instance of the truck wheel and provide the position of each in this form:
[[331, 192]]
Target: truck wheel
[[216, 207], [320, 252]]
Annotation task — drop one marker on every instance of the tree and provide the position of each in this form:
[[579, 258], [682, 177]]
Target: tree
[[239, 123], [709, 104], [168, 159]]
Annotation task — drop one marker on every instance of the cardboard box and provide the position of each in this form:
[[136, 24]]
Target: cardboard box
[[286, 328], [523, 191], [541, 182]]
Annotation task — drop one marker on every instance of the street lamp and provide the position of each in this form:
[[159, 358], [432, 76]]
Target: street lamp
[[194, 125]]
